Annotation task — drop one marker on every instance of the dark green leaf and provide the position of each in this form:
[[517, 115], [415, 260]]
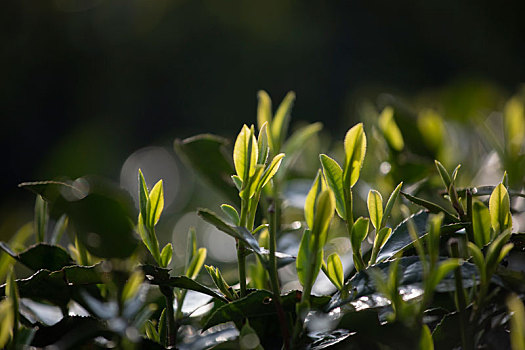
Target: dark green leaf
[[432, 207], [480, 223], [161, 277], [41, 256], [411, 274], [400, 237]]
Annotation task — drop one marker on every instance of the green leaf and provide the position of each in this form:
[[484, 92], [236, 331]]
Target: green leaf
[[304, 255], [245, 154], [359, 232], [425, 339], [375, 208], [162, 327], [444, 174], [355, 149], [208, 156], [400, 238], [159, 276], [311, 200], [431, 207], [237, 232], [281, 120], [390, 130], [481, 223], [324, 211], [41, 217], [196, 263], [334, 177], [411, 273], [514, 122], [256, 305], [237, 182], [477, 257], [149, 239], [151, 332], [334, 270], [155, 204], [445, 268], [270, 171], [7, 321], [264, 109], [262, 144], [166, 255], [499, 208], [143, 194], [219, 281], [132, 285], [41, 256], [379, 240], [495, 249], [231, 212], [390, 203]]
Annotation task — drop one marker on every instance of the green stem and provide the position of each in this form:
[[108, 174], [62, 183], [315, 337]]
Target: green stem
[[462, 304], [470, 231], [170, 315], [241, 254], [274, 278]]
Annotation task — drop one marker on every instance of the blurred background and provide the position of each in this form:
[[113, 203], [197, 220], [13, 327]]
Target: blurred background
[[104, 87]]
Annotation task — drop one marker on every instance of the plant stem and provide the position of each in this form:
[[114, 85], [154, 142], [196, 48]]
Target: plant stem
[[274, 278], [241, 254], [170, 316], [462, 305]]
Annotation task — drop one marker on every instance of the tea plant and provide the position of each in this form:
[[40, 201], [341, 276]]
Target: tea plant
[[436, 266]]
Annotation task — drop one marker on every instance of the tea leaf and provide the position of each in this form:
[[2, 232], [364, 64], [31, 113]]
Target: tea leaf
[[262, 144], [245, 153], [155, 204], [432, 207], [324, 211], [445, 268], [359, 232], [41, 217], [231, 212], [270, 171], [196, 264], [375, 208], [355, 149], [143, 194], [334, 269], [166, 255], [390, 203], [514, 122], [390, 129], [481, 223], [311, 200], [499, 208], [264, 109], [132, 285], [425, 339], [60, 228], [281, 120], [443, 173], [151, 332], [334, 177]]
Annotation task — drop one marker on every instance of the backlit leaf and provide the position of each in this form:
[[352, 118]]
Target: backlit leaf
[[481, 223], [355, 149], [155, 204], [390, 203], [281, 120], [499, 208], [334, 177], [390, 129], [334, 269], [375, 208], [359, 232]]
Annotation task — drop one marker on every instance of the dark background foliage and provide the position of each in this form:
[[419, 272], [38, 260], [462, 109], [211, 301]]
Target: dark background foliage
[[85, 83]]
